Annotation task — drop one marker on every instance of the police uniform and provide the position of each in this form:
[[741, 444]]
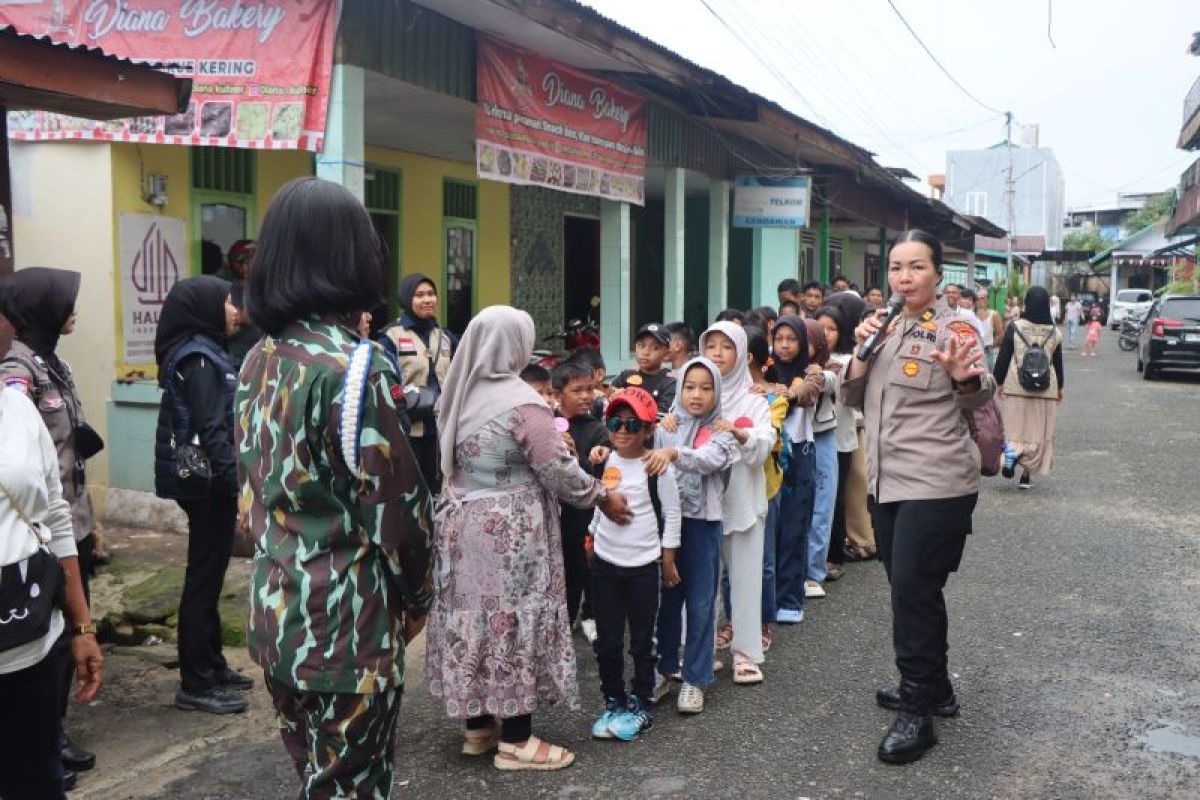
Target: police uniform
[[923, 478]]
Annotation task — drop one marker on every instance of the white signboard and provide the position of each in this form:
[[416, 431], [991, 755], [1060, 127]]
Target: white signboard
[[153, 253], [760, 202]]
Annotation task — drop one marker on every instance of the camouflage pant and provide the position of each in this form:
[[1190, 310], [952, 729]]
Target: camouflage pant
[[341, 743]]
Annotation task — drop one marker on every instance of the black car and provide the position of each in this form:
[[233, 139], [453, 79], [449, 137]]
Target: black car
[[1170, 338]]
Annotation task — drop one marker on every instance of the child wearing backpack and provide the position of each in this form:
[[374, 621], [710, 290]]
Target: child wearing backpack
[[625, 565]]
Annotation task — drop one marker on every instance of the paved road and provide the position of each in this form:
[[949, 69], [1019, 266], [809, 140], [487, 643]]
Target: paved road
[[1074, 635]]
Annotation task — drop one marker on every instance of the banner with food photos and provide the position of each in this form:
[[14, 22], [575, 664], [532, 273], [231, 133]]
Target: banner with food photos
[[546, 124], [260, 70]]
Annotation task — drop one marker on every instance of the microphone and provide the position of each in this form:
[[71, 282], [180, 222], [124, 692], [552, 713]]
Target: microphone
[[894, 304]]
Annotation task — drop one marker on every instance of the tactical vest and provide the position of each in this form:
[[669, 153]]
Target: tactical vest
[[416, 359]]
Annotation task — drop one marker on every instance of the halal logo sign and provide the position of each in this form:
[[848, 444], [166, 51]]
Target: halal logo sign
[[155, 269]]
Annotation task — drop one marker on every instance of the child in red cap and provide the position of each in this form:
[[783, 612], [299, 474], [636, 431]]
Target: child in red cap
[[625, 565]]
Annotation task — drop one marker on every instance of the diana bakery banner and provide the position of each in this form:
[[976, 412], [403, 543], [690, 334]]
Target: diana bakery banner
[[760, 202], [546, 124], [260, 70]]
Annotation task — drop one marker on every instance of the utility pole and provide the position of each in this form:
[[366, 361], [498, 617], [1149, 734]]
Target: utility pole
[[1010, 194]]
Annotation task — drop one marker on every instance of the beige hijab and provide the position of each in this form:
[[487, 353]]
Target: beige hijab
[[483, 382]]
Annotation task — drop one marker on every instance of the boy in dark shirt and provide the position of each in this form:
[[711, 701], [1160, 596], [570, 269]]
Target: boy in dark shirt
[[650, 349], [574, 387]]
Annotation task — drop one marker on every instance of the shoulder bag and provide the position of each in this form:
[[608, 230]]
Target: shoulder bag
[[30, 590]]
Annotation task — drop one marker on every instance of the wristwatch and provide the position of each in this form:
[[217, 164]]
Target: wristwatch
[[83, 630]]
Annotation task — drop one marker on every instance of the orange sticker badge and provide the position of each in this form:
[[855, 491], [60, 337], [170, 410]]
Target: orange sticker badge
[[963, 331], [611, 478], [743, 422], [634, 380], [703, 437], [911, 368]]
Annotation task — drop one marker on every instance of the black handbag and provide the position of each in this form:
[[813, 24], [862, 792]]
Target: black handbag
[[31, 590], [87, 441]]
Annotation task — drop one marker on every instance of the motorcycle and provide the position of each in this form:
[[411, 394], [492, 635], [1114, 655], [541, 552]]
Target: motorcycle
[[1131, 329], [575, 334]]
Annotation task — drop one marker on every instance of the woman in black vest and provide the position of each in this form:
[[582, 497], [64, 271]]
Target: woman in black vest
[[198, 383]]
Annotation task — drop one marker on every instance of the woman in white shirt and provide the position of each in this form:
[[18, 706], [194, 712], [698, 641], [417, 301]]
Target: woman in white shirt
[[33, 514]]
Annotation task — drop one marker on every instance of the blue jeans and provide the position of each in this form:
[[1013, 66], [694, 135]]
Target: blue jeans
[[770, 543], [795, 517], [699, 563], [1072, 329], [824, 496]]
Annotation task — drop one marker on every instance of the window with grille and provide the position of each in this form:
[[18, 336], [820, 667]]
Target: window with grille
[[223, 169], [460, 200], [382, 190]]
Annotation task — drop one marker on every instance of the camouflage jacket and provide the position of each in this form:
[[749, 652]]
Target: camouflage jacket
[[338, 556]]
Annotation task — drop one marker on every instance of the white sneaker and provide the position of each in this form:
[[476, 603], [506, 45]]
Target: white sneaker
[[588, 626], [662, 687], [691, 699], [813, 589]]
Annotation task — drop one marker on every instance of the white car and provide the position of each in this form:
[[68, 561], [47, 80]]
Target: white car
[[1129, 302]]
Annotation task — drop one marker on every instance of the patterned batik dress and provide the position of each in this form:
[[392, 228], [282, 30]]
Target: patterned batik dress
[[499, 641]]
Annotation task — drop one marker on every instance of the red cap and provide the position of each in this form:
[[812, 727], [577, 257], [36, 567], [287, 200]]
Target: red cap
[[242, 248], [639, 401]]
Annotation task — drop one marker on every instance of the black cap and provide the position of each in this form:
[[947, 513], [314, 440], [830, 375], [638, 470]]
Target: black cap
[[659, 332]]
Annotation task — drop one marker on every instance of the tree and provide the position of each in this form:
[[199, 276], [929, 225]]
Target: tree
[[1087, 239], [1157, 208]]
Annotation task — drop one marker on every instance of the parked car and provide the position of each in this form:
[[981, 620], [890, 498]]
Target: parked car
[[1170, 338], [1129, 302]]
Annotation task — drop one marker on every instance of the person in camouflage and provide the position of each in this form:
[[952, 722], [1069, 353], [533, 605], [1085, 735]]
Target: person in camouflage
[[331, 494]]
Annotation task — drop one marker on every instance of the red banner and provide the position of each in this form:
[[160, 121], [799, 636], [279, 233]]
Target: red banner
[[547, 124], [260, 70]]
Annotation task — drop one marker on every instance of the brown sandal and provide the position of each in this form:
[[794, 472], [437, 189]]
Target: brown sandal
[[725, 637], [521, 757]]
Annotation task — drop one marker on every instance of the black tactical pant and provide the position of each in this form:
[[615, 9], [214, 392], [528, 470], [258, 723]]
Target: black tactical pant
[[920, 543], [210, 543]]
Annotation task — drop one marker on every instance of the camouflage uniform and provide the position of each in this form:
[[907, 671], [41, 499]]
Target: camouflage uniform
[[338, 557]]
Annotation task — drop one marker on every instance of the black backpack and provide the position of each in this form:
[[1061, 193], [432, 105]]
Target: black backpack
[[1034, 372]]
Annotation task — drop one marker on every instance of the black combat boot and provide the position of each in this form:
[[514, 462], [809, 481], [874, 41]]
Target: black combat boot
[[911, 733], [943, 703]]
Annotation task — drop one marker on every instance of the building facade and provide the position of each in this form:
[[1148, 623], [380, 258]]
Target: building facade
[[977, 184]]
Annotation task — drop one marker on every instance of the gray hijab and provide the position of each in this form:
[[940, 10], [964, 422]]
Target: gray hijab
[[691, 488]]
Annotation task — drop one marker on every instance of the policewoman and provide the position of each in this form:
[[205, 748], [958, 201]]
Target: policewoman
[[40, 303], [923, 476], [423, 350]]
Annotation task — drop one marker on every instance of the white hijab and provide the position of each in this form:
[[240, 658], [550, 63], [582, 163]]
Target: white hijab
[[736, 399], [483, 381]]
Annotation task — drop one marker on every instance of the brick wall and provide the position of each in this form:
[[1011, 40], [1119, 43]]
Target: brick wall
[[536, 227]]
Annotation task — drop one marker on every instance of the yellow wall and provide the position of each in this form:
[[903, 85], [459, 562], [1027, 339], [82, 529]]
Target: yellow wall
[[274, 169], [421, 183], [62, 210]]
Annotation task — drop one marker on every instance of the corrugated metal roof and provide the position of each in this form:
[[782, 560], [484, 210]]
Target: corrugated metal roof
[[11, 32]]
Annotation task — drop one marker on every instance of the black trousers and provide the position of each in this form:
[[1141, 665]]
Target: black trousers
[[513, 730], [578, 574], [920, 543], [210, 543], [837, 536], [621, 596], [62, 648], [429, 458], [30, 758]]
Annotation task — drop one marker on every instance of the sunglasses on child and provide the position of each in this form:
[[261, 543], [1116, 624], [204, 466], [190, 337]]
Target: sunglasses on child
[[614, 424]]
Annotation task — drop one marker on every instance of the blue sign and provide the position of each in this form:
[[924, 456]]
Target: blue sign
[[760, 202]]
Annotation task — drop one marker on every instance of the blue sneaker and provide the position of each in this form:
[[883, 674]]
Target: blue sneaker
[[627, 724], [789, 616], [612, 708], [1010, 461]]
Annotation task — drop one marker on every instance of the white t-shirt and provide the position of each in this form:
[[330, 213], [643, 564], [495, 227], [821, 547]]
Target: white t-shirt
[[638, 543], [986, 331], [1074, 311], [1054, 306], [29, 472]]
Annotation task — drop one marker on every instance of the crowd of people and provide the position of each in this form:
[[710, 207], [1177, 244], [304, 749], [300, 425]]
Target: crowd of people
[[395, 479]]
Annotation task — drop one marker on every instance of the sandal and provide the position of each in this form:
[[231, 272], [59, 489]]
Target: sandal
[[745, 671], [479, 741], [526, 756], [725, 637], [766, 638]]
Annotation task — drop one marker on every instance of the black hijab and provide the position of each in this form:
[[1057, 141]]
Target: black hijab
[[846, 310], [194, 307], [1037, 306], [408, 287], [38, 301], [787, 371]]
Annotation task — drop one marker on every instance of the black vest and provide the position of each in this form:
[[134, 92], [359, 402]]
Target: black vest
[[175, 417]]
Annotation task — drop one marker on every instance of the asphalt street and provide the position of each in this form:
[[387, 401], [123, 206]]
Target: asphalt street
[[1075, 646]]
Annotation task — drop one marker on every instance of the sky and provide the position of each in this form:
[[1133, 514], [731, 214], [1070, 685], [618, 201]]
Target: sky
[[1107, 93]]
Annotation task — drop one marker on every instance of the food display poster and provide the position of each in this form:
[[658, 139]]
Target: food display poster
[[260, 70], [153, 257], [546, 124]]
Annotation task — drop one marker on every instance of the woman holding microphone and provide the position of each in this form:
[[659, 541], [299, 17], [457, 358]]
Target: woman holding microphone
[[917, 368]]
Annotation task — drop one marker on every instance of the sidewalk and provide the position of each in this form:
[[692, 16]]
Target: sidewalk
[[142, 742]]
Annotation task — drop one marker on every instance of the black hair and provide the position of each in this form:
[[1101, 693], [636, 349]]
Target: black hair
[[873, 288], [318, 253], [756, 345], [957, 286], [571, 369], [791, 303], [868, 310], [854, 288], [927, 239], [837, 278], [814, 285], [535, 373], [590, 356], [845, 327], [683, 331], [210, 257], [766, 313], [788, 285], [967, 292], [732, 315]]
